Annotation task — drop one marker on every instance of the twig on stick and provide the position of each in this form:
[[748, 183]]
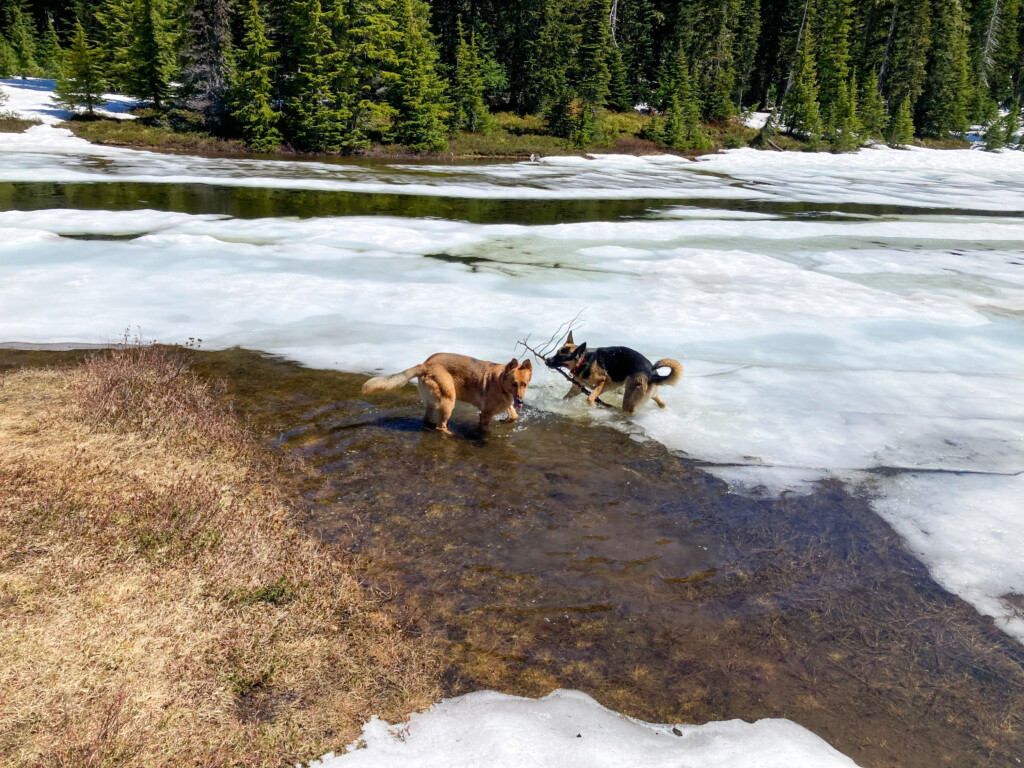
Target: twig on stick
[[525, 344]]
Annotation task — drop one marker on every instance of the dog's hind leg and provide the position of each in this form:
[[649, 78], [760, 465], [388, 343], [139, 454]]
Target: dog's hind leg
[[637, 393], [430, 401]]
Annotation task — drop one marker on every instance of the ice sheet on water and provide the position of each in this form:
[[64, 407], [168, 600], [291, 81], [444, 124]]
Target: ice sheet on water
[[570, 729]]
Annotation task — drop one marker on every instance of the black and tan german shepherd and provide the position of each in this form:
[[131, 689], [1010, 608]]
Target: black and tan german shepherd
[[607, 368]]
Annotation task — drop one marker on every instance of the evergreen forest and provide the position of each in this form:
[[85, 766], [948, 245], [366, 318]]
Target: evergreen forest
[[340, 75]]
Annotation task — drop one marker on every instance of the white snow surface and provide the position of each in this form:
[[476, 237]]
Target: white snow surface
[[570, 730], [31, 98], [814, 345]]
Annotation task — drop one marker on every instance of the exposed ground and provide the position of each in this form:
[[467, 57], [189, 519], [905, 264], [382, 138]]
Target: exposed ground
[[159, 605]]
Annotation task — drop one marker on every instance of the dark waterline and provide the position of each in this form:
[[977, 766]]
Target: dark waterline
[[249, 202]]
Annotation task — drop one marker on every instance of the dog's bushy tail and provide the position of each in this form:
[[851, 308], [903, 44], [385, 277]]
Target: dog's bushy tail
[[392, 382], [673, 377]]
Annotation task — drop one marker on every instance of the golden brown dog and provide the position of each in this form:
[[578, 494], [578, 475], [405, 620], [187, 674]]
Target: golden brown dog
[[444, 378], [605, 369]]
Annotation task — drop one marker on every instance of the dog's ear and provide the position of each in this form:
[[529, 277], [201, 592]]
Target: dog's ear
[[569, 339], [580, 349], [512, 365], [526, 366]]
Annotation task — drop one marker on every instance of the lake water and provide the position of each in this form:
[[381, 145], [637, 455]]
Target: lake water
[[851, 329]]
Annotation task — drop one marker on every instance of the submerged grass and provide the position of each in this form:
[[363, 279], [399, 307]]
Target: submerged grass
[[160, 607], [11, 123]]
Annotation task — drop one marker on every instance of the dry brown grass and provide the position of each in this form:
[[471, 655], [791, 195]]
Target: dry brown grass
[[159, 609]]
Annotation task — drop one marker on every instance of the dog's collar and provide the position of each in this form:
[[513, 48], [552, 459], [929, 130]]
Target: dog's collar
[[579, 365]]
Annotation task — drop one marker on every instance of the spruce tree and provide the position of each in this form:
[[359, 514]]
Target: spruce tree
[[872, 114], [682, 126], [846, 125], [1012, 122], [995, 134], [21, 35], [637, 20], [947, 92], [620, 95], [746, 36], [50, 52], [8, 59], [905, 56], [469, 112], [369, 43], [901, 126], [206, 57], [80, 82], [309, 121], [800, 112], [152, 53], [418, 94], [252, 97], [116, 21], [593, 77], [833, 62]]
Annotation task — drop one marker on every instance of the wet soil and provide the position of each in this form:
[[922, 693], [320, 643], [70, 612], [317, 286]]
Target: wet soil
[[551, 554]]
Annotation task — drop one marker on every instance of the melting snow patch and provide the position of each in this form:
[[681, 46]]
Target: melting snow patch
[[570, 730]]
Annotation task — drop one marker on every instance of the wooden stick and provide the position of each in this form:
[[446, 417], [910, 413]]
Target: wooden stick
[[565, 374]]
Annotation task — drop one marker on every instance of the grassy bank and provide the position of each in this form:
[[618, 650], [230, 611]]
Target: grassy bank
[[160, 608], [10, 123], [513, 136]]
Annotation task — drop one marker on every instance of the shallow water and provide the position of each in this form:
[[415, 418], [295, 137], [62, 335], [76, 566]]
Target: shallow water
[[550, 554]]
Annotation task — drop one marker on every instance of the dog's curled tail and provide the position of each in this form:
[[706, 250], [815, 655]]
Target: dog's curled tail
[[673, 377], [392, 382]]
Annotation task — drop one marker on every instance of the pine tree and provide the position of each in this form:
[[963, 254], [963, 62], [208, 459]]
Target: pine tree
[[50, 52], [833, 62], [8, 59], [369, 43], [152, 53], [905, 57], [593, 77], [682, 126], [207, 53], [635, 22], [947, 96], [80, 82], [995, 135], [418, 94], [310, 124], [800, 111], [469, 112], [251, 97], [746, 35], [116, 24], [846, 125], [901, 127], [872, 114], [21, 35], [1012, 123], [620, 95]]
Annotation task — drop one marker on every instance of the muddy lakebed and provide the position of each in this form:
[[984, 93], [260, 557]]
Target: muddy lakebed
[[822, 526]]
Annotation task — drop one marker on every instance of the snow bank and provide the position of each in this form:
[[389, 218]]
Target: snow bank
[[570, 729], [30, 98]]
